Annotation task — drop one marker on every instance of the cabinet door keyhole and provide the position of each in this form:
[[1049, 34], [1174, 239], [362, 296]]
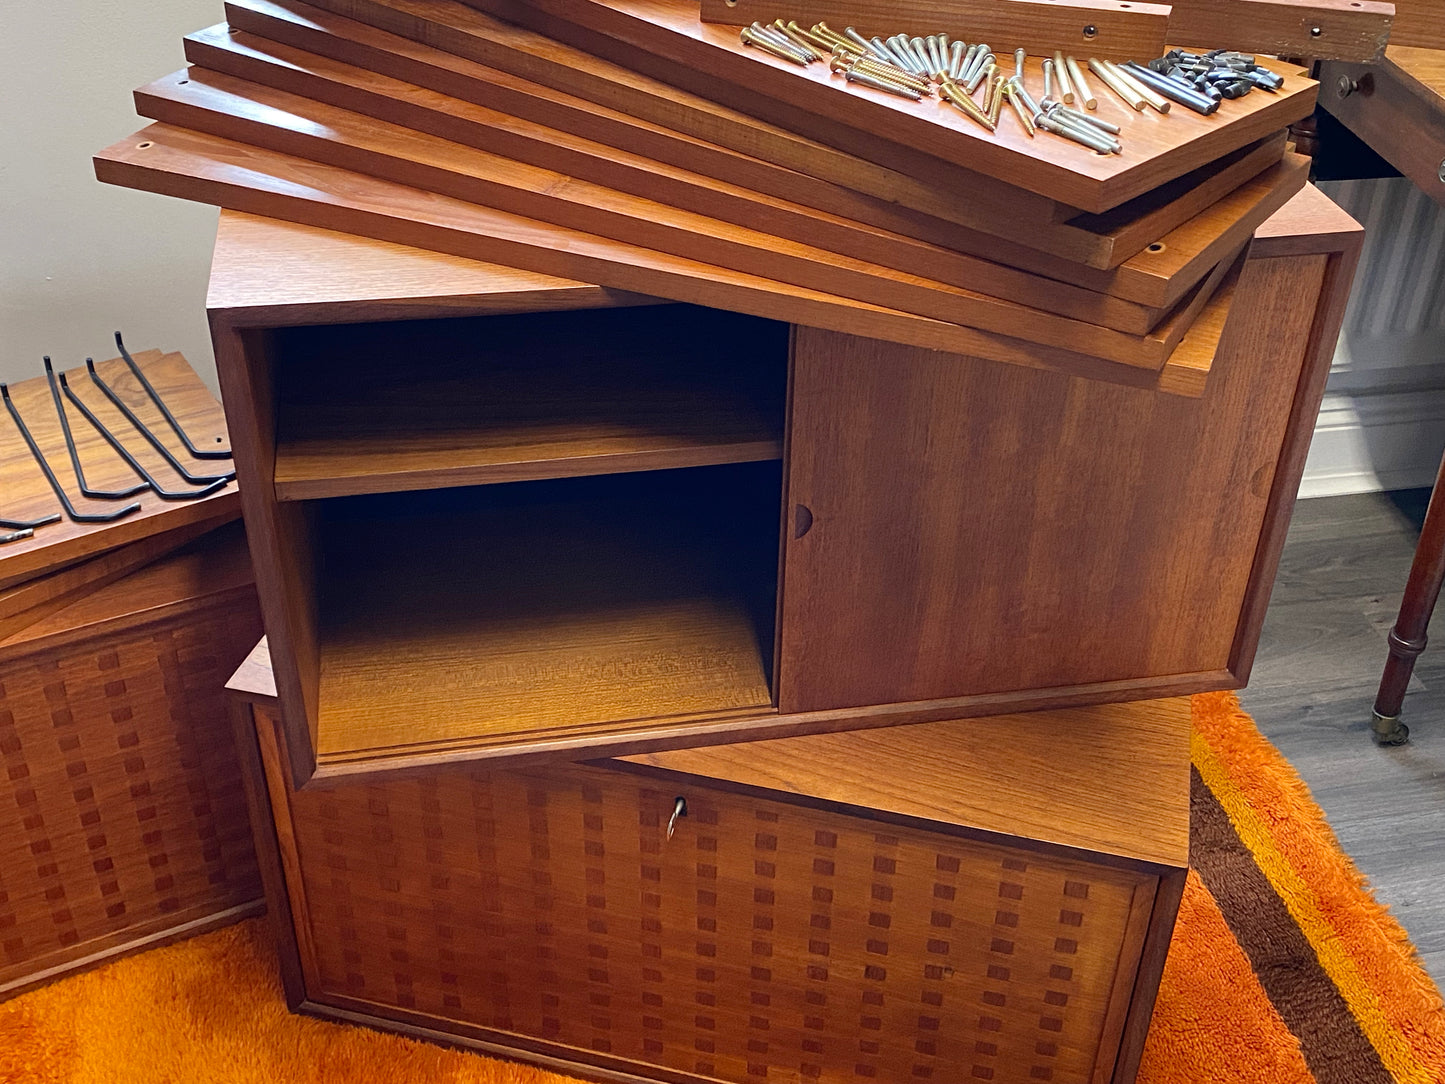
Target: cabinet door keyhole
[[679, 809]]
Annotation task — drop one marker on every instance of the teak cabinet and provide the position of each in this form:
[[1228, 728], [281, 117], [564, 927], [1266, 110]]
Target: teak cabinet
[[878, 905], [495, 514]]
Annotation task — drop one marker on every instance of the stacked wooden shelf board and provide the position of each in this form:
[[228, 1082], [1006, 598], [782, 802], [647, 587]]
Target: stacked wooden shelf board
[[603, 389], [583, 153], [122, 820]]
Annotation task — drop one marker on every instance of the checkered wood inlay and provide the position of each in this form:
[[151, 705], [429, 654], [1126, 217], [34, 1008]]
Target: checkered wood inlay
[[764, 941], [121, 809]]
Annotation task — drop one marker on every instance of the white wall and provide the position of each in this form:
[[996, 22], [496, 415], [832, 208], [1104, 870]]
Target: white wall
[[1382, 425], [78, 259]]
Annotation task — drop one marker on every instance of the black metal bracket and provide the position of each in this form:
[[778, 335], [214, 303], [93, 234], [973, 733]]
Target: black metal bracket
[[131, 461], [144, 430], [78, 517], [160, 403], [95, 494]]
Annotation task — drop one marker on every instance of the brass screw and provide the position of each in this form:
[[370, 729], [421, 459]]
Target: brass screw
[[752, 37], [954, 93], [1010, 91], [812, 39], [878, 70], [854, 75], [801, 42]]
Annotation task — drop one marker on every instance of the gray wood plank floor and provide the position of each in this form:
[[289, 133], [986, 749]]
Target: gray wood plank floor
[[1314, 683]]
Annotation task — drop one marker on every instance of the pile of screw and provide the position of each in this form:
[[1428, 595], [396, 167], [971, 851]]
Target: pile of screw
[[1217, 74], [912, 68]]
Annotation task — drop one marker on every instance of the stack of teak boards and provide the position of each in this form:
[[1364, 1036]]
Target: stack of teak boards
[[635, 145]]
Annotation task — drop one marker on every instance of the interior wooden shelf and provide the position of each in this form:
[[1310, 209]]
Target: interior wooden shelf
[[505, 615], [420, 405]]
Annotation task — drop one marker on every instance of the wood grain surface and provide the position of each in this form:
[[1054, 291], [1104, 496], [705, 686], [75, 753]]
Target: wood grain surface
[[1059, 469], [1188, 368], [604, 920], [28, 602], [508, 399], [450, 27], [1195, 479], [1109, 779], [1324, 29], [25, 494], [1121, 31], [665, 39], [124, 822], [586, 603], [215, 565], [875, 241], [196, 166], [275, 120], [389, 77], [1398, 108], [1419, 23], [317, 276]]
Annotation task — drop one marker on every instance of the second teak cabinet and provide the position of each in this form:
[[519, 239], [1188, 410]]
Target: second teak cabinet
[[498, 514]]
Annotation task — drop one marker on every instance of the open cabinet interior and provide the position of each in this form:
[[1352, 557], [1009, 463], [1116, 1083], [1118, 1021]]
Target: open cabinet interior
[[369, 408], [524, 528]]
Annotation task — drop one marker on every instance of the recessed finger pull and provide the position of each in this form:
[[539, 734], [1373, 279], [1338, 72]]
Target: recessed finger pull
[[802, 520]]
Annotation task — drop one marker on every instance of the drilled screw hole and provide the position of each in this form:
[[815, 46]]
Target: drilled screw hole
[[1091, 31], [147, 145], [1157, 247]]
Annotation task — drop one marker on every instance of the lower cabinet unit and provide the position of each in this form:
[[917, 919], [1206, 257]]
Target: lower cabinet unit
[[952, 901]]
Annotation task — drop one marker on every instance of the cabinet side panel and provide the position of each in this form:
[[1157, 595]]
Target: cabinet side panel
[[548, 911], [123, 818], [279, 535], [979, 528]]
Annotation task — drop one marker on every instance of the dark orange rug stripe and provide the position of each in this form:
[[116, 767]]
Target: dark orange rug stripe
[[1334, 1046], [1212, 1020], [1386, 976]]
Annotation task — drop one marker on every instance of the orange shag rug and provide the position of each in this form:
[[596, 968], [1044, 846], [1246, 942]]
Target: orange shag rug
[[1283, 969]]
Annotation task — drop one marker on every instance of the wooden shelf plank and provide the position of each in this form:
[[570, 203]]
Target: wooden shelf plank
[[667, 40], [543, 609], [279, 121], [509, 399], [193, 165]]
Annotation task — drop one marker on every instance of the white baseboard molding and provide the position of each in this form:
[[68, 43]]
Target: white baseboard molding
[[1364, 443]]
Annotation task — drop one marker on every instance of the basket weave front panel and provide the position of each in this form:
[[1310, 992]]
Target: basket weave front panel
[[763, 941], [120, 800]]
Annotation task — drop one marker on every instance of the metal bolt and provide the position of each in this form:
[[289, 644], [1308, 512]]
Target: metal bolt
[[1345, 86], [1441, 172], [1091, 31], [1316, 31]]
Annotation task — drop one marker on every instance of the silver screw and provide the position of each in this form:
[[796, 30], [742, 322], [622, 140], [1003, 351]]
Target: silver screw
[[1441, 173], [1345, 86]]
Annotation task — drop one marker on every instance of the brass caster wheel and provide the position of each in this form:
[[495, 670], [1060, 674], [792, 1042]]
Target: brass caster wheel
[[1388, 730]]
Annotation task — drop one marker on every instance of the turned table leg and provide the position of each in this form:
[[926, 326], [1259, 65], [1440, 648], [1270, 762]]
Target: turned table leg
[[1407, 638]]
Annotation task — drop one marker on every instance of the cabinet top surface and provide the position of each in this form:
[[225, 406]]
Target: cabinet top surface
[[265, 272], [1112, 779]]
